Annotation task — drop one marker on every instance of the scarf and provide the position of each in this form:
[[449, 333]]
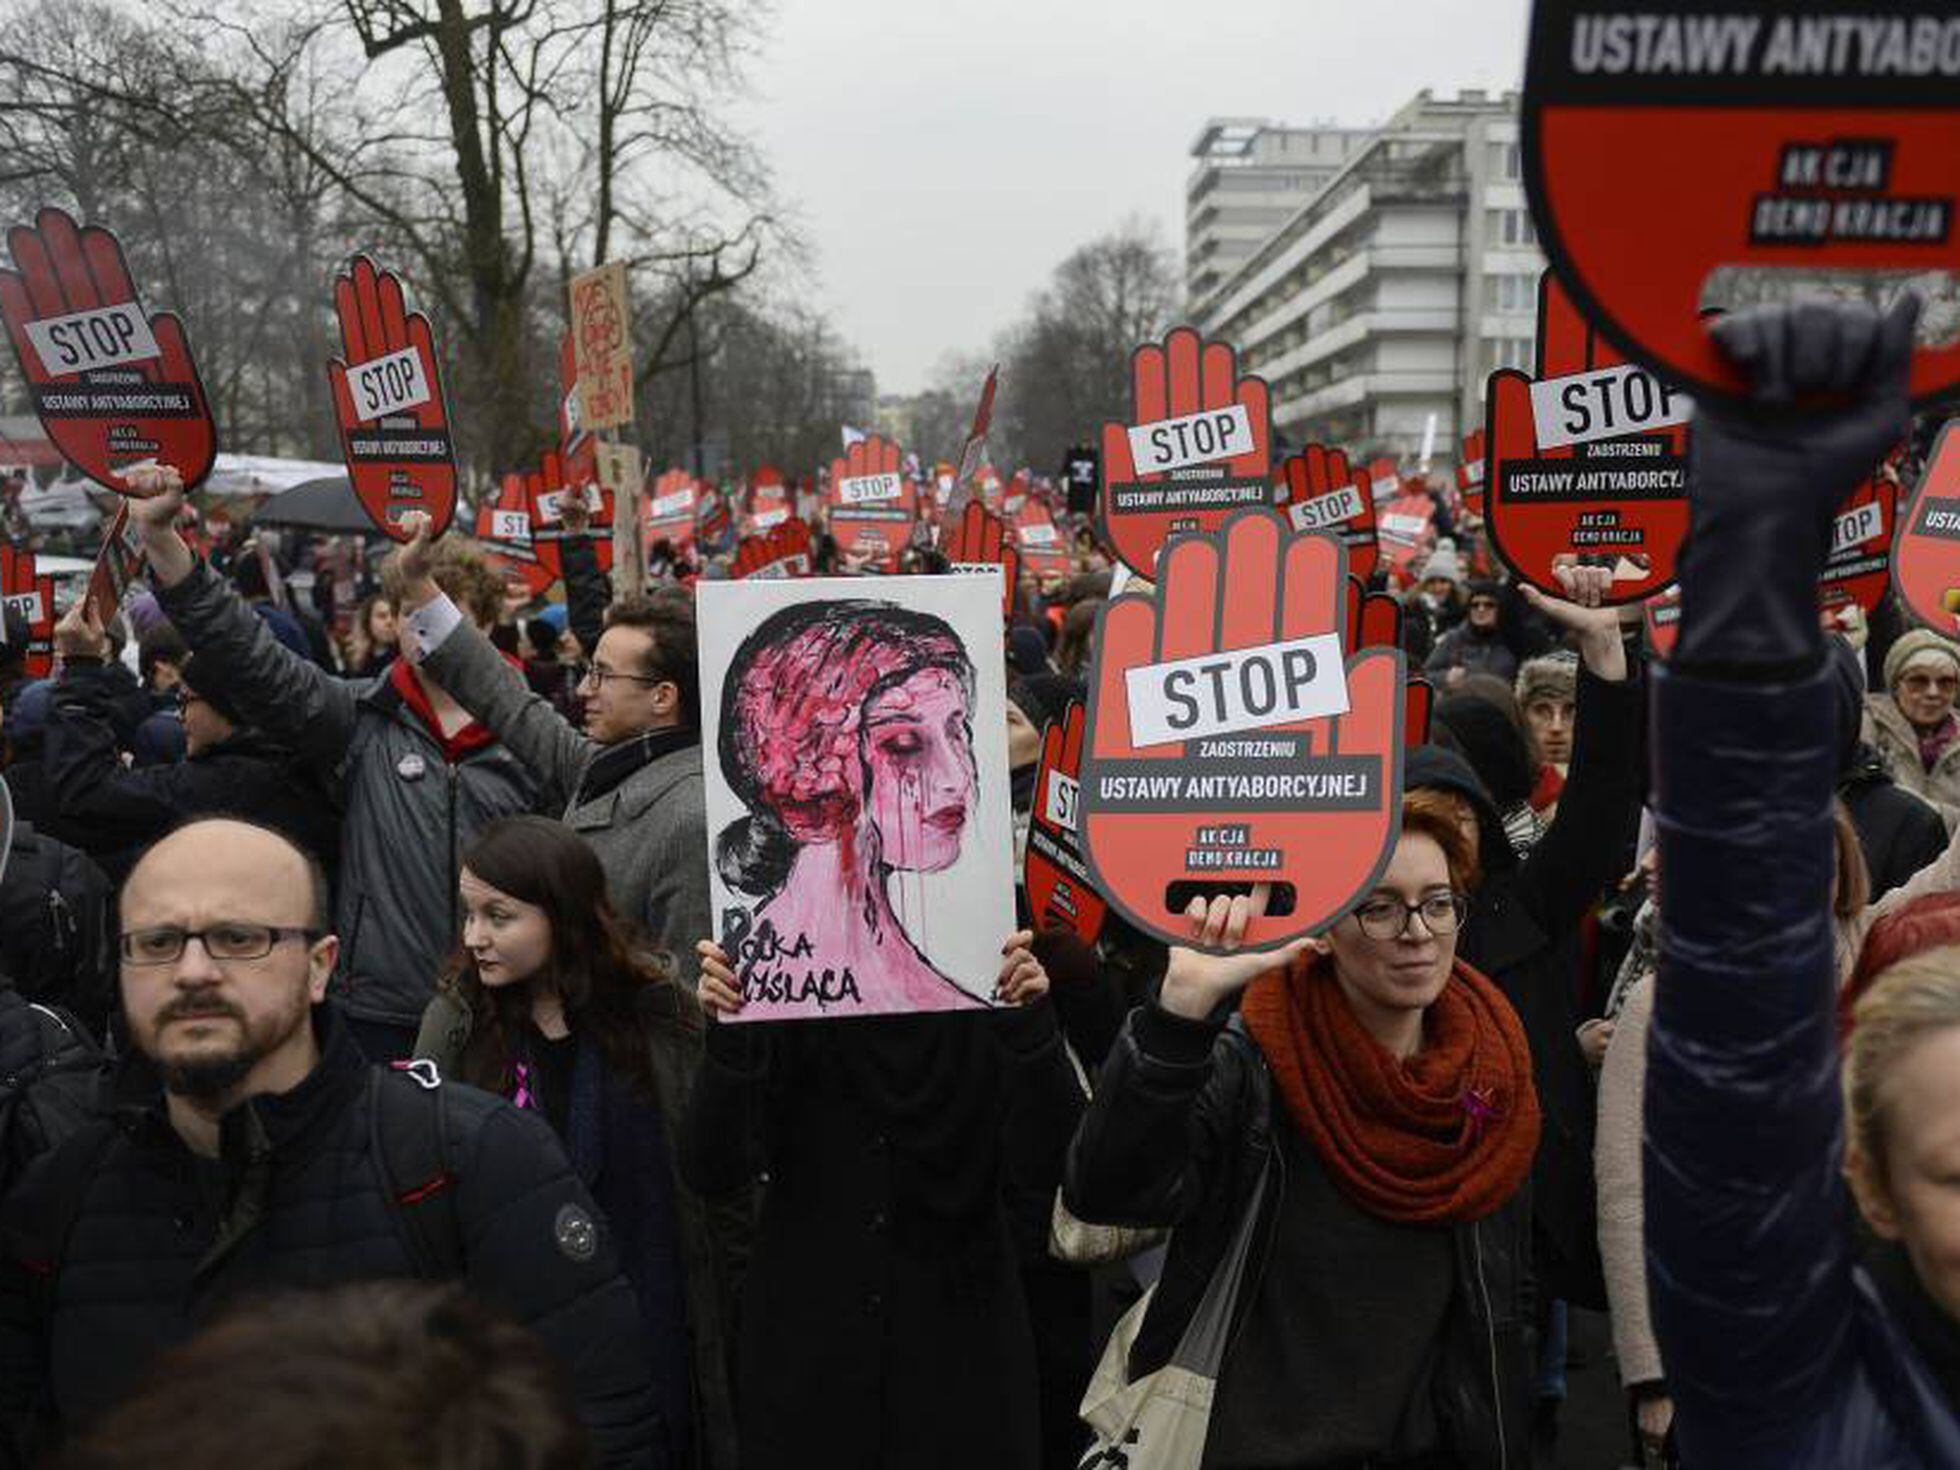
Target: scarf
[[1933, 742], [1443, 1138], [467, 738], [614, 763]]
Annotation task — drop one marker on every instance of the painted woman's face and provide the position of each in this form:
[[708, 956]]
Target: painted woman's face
[[918, 754]]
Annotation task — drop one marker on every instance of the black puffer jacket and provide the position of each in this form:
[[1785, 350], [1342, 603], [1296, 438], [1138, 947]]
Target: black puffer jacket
[[1899, 832], [161, 1239], [1522, 931], [123, 810], [1176, 1135]]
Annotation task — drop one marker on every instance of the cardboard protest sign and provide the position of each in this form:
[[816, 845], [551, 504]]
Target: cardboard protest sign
[[1384, 478], [504, 525], [546, 494], [669, 510], [1588, 462], [113, 384], [872, 504], [1405, 528], [861, 841], [1321, 493], [1470, 474], [578, 447], [981, 542], [1858, 571], [1060, 895], [387, 393], [781, 551], [1195, 448], [1662, 616], [118, 563], [1665, 141], [29, 595], [714, 523], [769, 500], [1926, 558], [1233, 739], [602, 346], [1039, 539]]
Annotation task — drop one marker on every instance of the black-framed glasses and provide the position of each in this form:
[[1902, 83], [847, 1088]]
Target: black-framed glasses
[[164, 945], [598, 675], [1388, 918]]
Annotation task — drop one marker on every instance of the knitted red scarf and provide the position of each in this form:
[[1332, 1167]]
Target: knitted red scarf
[[1444, 1137]]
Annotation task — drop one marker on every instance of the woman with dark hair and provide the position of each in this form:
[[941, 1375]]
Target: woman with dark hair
[[912, 1159], [372, 641], [550, 1004], [846, 730]]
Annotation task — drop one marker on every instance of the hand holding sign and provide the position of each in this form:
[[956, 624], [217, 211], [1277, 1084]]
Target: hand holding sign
[[394, 424], [1231, 740], [79, 634], [1194, 450], [1211, 965], [111, 383]]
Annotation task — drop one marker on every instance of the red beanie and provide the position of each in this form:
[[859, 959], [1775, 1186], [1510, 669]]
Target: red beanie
[[1929, 922]]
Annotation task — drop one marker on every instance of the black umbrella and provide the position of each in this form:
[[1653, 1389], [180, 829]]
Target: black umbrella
[[327, 504]]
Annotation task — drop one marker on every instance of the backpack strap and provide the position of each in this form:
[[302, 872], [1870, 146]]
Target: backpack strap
[[408, 1120]]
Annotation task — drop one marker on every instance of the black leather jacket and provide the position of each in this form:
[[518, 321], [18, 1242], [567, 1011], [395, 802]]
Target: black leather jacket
[[1176, 1134]]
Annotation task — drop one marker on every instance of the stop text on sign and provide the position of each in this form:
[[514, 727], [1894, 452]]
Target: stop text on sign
[[391, 384], [510, 525], [1197, 438], [1856, 527], [859, 489], [1327, 510], [1064, 800], [670, 507], [1604, 404], [1237, 689], [106, 336], [551, 507]]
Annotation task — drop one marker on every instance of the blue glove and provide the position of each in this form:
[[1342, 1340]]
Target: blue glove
[[1828, 399]]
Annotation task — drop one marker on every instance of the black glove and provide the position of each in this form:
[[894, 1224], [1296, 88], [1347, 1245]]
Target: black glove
[[1765, 484]]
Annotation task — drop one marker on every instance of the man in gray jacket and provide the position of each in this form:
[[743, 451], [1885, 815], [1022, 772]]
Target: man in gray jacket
[[631, 783], [419, 776]]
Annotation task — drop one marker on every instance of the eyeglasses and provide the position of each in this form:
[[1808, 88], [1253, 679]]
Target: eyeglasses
[[1388, 918], [598, 675], [165, 945], [1945, 683]]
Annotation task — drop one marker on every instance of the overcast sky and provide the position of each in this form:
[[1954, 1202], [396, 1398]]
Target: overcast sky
[[943, 155]]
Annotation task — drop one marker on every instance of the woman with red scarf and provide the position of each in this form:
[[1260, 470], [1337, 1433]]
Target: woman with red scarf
[[1386, 1086]]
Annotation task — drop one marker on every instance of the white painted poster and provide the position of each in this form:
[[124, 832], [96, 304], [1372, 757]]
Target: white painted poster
[[855, 754]]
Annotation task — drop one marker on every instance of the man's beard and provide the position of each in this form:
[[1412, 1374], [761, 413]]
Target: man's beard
[[205, 1076]]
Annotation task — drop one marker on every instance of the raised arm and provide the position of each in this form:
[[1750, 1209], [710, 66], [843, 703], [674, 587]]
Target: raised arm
[[454, 655], [1748, 1241], [268, 684], [587, 589]]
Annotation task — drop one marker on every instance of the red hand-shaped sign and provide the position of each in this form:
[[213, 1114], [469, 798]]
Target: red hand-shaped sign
[[1232, 739], [1927, 556], [872, 503], [669, 510], [387, 394], [1194, 450], [781, 551], [113, 384], [1060, 894], [1324, 494], [981, 542], [1587, 461], [1375, 621], [1470, 474]]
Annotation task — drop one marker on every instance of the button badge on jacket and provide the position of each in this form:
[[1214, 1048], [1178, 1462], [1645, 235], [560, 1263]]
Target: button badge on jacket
[[411, 767]]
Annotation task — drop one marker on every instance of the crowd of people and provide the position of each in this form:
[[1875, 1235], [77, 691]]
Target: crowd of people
[[369, 1092]]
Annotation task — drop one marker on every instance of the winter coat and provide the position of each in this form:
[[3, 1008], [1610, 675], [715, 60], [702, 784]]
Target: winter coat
[[650, 831], [1464, 647], [715, 1236], [1780, 1351], [1899, 832], [124, 809], [158, 1240], [1891, 734], [877, 1333], [1181, 1124], [1522, 931], [411, 809]]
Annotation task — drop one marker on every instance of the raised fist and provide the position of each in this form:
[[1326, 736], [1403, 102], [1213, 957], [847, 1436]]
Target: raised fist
[[1233, 740], [1194, 450], [387, 394], [112, 384]]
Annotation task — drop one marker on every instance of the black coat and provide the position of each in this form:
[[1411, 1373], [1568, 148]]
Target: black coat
[[123, 810], [1899, 832], [163, 1239], [876, 1332], [1522, 931], [1180, 1125]]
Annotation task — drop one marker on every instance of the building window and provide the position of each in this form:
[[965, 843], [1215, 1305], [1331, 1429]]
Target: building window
[[1510, 293], [1506, 161], [1509, 227], [1510, 352]]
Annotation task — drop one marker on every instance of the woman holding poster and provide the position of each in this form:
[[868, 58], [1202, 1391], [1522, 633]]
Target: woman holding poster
[[1372, 1111]]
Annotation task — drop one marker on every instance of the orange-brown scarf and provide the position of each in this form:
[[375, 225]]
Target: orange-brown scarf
[[1444, 1137]]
